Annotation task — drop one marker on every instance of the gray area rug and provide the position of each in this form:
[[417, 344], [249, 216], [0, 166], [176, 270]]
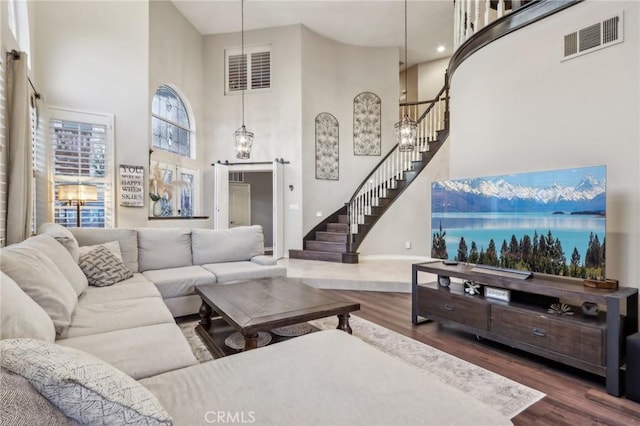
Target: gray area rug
[[495, 391]]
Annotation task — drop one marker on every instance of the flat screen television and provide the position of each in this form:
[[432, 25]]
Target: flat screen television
[[552, 222]]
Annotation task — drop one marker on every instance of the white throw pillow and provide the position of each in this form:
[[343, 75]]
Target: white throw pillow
[[112, 246], [63, 236], [83, 387], [20, 316], [61, 258], [102, 267], [41, 279]]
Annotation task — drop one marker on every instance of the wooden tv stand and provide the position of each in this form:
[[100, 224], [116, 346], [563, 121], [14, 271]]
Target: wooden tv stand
[[594, 344]]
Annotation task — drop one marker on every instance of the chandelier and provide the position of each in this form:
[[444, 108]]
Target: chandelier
[[406, 129], [244, 138]]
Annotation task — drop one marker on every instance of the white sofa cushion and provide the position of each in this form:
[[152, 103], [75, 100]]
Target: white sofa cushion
[[61, 258], [63, 236], [20, 316], [163, 248], [117, 315], [246, 270], [330, 377], [176, 282], [41, 279], [227, 245], [139, 352], [127, 238], [81, 386], [135, 287]]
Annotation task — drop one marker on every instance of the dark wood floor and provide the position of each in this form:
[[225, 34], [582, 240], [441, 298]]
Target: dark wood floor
[[573, 397]]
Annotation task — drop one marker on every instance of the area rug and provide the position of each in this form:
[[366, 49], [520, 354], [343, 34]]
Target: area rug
[[502, 394]]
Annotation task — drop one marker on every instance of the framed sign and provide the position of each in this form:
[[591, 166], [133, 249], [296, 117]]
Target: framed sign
[[132, 192]]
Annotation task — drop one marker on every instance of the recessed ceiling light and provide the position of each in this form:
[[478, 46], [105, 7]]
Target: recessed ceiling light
[[441, 48]]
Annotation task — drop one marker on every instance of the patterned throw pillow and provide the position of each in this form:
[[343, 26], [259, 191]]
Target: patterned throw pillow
[[21, 404], [83, 387], [103, 268]]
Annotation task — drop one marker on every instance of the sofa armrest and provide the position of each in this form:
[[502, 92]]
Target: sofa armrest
[[264, 260]]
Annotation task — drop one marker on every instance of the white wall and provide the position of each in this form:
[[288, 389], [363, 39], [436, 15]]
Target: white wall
[[332, 75], [93, 56], [176, 60], [538, 113], [275, 116], [431, 78]]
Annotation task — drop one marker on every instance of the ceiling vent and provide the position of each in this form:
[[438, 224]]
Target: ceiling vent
[[594, 37]]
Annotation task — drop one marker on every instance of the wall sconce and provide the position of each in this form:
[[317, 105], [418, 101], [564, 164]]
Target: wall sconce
[[78, 194], [290, 187]]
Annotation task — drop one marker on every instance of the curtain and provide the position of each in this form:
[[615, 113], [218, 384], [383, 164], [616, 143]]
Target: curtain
[[19, 150]]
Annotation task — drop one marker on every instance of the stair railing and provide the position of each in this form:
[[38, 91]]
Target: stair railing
[[470, 16], [385, 176]]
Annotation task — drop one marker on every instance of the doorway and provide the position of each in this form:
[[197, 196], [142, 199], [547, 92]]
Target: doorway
[[252, 195]]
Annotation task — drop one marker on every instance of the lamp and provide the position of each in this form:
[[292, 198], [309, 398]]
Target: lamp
[[78, 194], [406, 129], [244, 138]]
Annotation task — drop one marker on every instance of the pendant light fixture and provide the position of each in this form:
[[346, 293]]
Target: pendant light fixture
[[406, 129], [244, 139]]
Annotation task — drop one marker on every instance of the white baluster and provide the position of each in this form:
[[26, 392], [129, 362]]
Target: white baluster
[[476, 21], [456, 23], [468, 32], [500, 8], [487, 7]]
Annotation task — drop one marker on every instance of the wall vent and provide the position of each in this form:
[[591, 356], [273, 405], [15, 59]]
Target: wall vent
[[594, 37]]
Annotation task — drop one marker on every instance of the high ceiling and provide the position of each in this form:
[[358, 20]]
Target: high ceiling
[[371, 23]]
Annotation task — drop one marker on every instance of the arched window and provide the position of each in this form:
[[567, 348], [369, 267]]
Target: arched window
[[174, 174], [170, 124]]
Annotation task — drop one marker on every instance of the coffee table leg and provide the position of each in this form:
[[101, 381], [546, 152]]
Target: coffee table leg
[[343, 323], [205, 315], [250, 341]]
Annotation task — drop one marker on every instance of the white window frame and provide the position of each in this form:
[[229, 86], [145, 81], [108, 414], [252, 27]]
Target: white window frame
[[248, 51], [176, 200], [107, 120]]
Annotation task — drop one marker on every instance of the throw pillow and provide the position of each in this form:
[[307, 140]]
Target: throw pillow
[[39, 277], [103, 268], [20, 316], [63, 236], [112, 246], [83, 387], [21, 404]]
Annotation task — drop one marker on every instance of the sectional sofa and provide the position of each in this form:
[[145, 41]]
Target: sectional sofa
[[111, 352]]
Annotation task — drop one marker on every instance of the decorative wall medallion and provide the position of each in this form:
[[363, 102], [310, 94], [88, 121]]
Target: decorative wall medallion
[[327, 147], [367, 115]]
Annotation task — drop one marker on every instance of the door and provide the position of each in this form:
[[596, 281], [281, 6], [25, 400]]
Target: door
[[239, 204], [221, 197], [278, 210]]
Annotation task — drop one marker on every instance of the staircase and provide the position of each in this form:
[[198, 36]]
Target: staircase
[[337, 238]]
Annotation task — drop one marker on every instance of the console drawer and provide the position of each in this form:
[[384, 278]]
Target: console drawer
[[558, 334], [468, 310]]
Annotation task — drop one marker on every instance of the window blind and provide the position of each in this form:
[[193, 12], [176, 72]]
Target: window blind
[[81, 152], [261, 70], [251, 71], [3, 158]]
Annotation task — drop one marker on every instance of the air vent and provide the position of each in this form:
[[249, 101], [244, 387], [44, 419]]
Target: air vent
[[594, 37]]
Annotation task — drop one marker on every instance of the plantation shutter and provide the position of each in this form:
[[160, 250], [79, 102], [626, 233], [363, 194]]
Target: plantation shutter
[[261, 70], [3, 158], [82, 152], [251, 71], [237, 72]]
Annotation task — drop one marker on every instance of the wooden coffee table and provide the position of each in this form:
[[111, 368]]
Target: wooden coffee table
[[264, 304]]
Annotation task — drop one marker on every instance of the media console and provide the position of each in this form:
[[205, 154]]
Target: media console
[[590, 343]]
